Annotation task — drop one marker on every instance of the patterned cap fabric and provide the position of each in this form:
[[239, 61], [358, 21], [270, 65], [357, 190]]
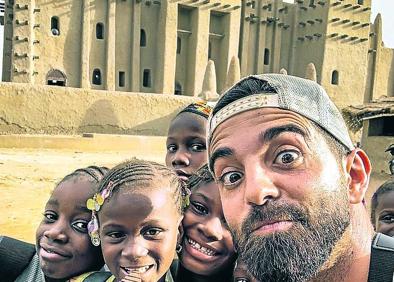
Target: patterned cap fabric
[[199, 108], [295, 94]]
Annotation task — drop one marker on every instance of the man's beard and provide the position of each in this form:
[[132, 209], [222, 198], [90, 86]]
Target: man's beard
[[299, 253]]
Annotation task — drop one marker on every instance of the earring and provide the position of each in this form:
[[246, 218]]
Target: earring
[[178, 248], [95, 240]]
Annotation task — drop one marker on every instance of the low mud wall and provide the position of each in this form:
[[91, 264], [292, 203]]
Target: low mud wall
[[36, 109]]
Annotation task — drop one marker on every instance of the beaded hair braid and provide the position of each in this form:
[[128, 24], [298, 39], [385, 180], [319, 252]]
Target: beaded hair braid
[[139, 173]]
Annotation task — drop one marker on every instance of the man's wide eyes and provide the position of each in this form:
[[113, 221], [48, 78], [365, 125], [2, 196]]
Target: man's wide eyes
[[287, 157], [230, 178]]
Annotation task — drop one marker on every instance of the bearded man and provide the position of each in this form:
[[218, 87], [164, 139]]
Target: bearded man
[[292, 184]]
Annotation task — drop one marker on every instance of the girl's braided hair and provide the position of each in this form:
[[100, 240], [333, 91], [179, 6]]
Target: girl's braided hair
[[93, 174], [141, 173]]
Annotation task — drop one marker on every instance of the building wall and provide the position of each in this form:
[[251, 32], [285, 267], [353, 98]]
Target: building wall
[[385, 73], [7, 42], [97, 50], [263, 25], [152, 67], [41, 109], [310, 41], [124, 41], [347, 33], [267, 35], [61, 52], [186, 29], [381, 65], [288, 38], [375, 147], [22, 46], [150, 51]]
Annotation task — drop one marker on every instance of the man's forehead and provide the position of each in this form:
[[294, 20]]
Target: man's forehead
[[261, 120]]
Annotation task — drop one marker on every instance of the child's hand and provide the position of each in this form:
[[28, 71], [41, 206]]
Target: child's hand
[[132, 277]]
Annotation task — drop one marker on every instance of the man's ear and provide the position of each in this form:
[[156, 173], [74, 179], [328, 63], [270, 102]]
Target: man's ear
[[358, 168]]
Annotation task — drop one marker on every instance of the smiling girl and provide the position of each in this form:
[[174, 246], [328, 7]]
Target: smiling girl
[[186, 145], [63, 247], [136, 216], [208, 251]]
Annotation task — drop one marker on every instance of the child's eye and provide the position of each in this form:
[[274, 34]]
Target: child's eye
[[50, 216], [116, 235], [81, 226], [152, 232], [388, 218], [241, 279], [198, 147], [199, 208], [171, 148]]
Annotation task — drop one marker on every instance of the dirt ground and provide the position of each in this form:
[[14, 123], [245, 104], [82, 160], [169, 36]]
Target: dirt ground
[[27, 176]]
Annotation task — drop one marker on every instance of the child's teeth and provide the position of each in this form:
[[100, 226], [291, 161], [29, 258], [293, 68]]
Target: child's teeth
[[198, 247], [138, 269]]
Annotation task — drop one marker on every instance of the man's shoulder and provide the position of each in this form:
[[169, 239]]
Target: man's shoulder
[[381, 267]]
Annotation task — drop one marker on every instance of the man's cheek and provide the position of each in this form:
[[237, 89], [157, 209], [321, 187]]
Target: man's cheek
[[233, 216]]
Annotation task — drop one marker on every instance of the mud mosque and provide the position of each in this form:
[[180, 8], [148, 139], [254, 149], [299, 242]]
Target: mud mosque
[[163, 46], [182, 47]]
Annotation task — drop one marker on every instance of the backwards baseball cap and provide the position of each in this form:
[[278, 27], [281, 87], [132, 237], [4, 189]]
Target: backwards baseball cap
[[291, 93]]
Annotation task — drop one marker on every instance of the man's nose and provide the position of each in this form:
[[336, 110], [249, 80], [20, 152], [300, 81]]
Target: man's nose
[[259, 186]]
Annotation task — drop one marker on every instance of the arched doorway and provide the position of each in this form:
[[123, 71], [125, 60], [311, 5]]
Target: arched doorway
[[56, 77]]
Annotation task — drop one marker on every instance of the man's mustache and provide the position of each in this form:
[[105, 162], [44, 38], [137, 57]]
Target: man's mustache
[[273, 212]]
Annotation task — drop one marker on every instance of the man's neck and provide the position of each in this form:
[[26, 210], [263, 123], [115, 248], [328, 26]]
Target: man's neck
[[349, 260]]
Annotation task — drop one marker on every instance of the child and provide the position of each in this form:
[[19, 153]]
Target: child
[[241, 273], [382, 208], [63, 248], [208, 251], [135, 217], [186, 145]]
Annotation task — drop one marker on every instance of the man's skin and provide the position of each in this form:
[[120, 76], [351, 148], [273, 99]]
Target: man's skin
[[272, 154]]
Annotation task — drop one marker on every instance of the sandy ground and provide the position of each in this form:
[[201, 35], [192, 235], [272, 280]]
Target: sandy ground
[[27, 176]]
